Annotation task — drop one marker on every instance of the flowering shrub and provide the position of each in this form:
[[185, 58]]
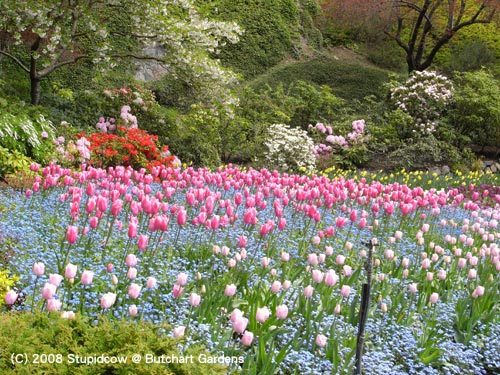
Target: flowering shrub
[[344, 150], [72, 153], [129, 147], [424, 96], [126, 119], [289, 149]]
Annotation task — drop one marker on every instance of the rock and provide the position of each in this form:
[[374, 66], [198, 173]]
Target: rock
[[497, 165], [445, 169], [488, 163], [493, 168], [150, 70]]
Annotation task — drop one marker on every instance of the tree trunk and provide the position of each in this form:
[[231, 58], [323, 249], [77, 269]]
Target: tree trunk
[[35, 91]]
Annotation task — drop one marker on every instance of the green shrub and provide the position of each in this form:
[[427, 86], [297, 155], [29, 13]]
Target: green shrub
[[347, 81], [25, 130], [45, 334], [387, 55], [427, 152], [12, 161], [196, 137], [298, 104], [476, 110]]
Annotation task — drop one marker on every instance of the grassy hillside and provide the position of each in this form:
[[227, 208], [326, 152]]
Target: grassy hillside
[[349, 76]]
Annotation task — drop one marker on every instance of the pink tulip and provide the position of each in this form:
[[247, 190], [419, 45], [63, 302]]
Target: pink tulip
[[108, 300], [230, 290], [177, 290], [337, 309], [281, 312], [286, 284], [345, 291], [38, 269], [308, 291], [87, 277], [240, 324], [321, 340], [262, 314], [441, 275], [179, 331], [93, 222], [462, 262], [312, 259], [478, 292], [236, 314], [472, 274], [275, 286], [132, 273], [70, 271], [194, 299], [55, 279], [389, 254], [412, 288], [285, 257], [242, 241], [150, 282], [72, 234], [132, 229], [182, 279], [11, 297], [331, 278], [247, 338], [53, 305], [426, 263], [433, 298], [134, 290], [142, 242], [132, 310], [317, 276], [131, 260], [340, 259]]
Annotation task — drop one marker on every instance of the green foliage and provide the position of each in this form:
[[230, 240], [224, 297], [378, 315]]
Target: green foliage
[[473, 47], [12, 161], [476, 110], [298, 104], [272, 31], [45, 334], [348, 81], [387, 55], [427, 152], [24, 130], [195, 137]]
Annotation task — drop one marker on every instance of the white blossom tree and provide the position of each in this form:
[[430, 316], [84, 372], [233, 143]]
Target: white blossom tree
[[43, 36]]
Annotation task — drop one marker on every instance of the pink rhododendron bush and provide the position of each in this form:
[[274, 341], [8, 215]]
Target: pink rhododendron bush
[[267, 267]]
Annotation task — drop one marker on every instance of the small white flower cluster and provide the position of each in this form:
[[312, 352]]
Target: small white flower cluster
[[423, 96], [289, 149]]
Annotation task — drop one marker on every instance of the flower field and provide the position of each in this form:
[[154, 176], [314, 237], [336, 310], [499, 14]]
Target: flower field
[[267, 266]]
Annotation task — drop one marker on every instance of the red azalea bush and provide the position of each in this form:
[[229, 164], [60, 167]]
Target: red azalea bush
[[128, 146]]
